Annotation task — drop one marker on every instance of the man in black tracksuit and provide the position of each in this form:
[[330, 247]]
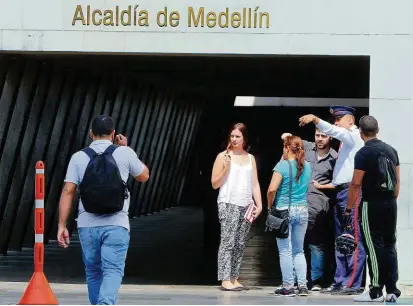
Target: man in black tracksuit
[[378, 210]]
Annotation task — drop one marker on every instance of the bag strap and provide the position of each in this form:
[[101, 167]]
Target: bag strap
[[383, 153], [111, 149], [90, 152], [291, 184]]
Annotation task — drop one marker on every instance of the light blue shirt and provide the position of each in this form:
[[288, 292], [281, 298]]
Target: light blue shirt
[[128, 163], [351, 142], [299, 189]]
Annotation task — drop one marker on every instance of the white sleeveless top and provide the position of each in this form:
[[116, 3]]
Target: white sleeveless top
[[237, 187]]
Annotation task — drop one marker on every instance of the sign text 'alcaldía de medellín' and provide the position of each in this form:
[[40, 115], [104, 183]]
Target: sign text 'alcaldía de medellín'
[[196, 17]]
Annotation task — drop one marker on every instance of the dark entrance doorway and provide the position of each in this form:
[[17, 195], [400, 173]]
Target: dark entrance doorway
[[304, 77], [52, 97]]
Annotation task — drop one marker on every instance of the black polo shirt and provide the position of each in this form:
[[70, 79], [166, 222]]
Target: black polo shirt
[[366, 160], [321, 169]]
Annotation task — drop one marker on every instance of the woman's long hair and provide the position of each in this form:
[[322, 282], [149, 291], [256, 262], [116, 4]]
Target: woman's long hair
[[295, 144], [244, 131]]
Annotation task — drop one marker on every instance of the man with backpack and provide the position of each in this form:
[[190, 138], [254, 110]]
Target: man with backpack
[[377, 171], [101, 171]]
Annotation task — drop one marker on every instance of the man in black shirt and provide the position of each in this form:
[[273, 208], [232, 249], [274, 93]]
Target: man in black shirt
[[378, 210]]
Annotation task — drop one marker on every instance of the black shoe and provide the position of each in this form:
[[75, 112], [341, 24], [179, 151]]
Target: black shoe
[[346, 291], [330, 290], [302, 291], [316, 285], [284, 292]]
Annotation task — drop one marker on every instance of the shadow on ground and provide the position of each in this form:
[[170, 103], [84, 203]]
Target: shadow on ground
[[165, 248]]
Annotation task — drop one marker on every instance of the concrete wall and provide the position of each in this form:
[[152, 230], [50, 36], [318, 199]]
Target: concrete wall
[[379, 29], [46, 107], [298, 102]]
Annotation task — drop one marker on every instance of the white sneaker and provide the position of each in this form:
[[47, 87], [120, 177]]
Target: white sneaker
[[316, 288], [391, 297], [365, 297]]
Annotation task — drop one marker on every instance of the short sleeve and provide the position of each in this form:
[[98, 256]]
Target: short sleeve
[[308, 145], [397, 158], [360, 161], [136, 167], [72, 173], [281, 167]]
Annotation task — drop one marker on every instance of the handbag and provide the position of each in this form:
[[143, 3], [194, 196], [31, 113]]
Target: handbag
[[278, 220]]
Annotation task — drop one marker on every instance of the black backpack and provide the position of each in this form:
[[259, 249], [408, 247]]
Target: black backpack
[[102, 189], [386, 172]]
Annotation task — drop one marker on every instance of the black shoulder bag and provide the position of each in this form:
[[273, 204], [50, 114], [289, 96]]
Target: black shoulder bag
[[278, 220]]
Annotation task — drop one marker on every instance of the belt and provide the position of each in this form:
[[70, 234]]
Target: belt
[[342, 186]]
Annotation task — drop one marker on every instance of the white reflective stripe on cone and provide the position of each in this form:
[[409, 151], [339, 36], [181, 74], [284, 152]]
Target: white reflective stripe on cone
[[39, 171], [40, 203], [38, 238]]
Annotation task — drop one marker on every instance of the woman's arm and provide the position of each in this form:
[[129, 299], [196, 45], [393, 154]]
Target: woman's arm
[[256, 190], [272, 189], [220, 170]]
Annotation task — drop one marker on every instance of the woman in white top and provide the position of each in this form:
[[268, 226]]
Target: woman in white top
[[235, 174]]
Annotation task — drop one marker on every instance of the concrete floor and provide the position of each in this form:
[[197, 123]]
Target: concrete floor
[[10, 293]]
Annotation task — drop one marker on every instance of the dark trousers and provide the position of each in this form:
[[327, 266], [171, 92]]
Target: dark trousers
[[349, 269], [378, 221], [319, 239]]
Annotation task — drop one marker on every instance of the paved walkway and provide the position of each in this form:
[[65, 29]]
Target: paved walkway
[[10, 293]]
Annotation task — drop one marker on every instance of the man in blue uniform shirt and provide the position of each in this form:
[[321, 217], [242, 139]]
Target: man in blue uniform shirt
[[349, 270]]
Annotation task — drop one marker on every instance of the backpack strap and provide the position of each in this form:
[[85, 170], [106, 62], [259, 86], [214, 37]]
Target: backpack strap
[[111, 149], [383, 151], [90, 152], [290, 170]]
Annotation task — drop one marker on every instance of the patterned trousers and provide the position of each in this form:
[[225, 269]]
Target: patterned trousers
[[234, 231]]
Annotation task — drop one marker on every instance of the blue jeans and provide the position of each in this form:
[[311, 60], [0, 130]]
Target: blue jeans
[[104, 251], [291, 249], [317, 261]]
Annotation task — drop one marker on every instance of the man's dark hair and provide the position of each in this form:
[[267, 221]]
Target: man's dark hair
[[102, 125], [369, 126]]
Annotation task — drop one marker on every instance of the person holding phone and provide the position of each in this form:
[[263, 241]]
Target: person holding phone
[[235, 174], [104, 237]]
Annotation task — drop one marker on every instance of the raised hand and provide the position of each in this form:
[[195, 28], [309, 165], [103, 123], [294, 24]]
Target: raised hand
[[304, 120], [121, 140], [285, 135]]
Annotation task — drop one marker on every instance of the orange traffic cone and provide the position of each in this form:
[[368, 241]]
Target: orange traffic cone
[[38, 292]]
